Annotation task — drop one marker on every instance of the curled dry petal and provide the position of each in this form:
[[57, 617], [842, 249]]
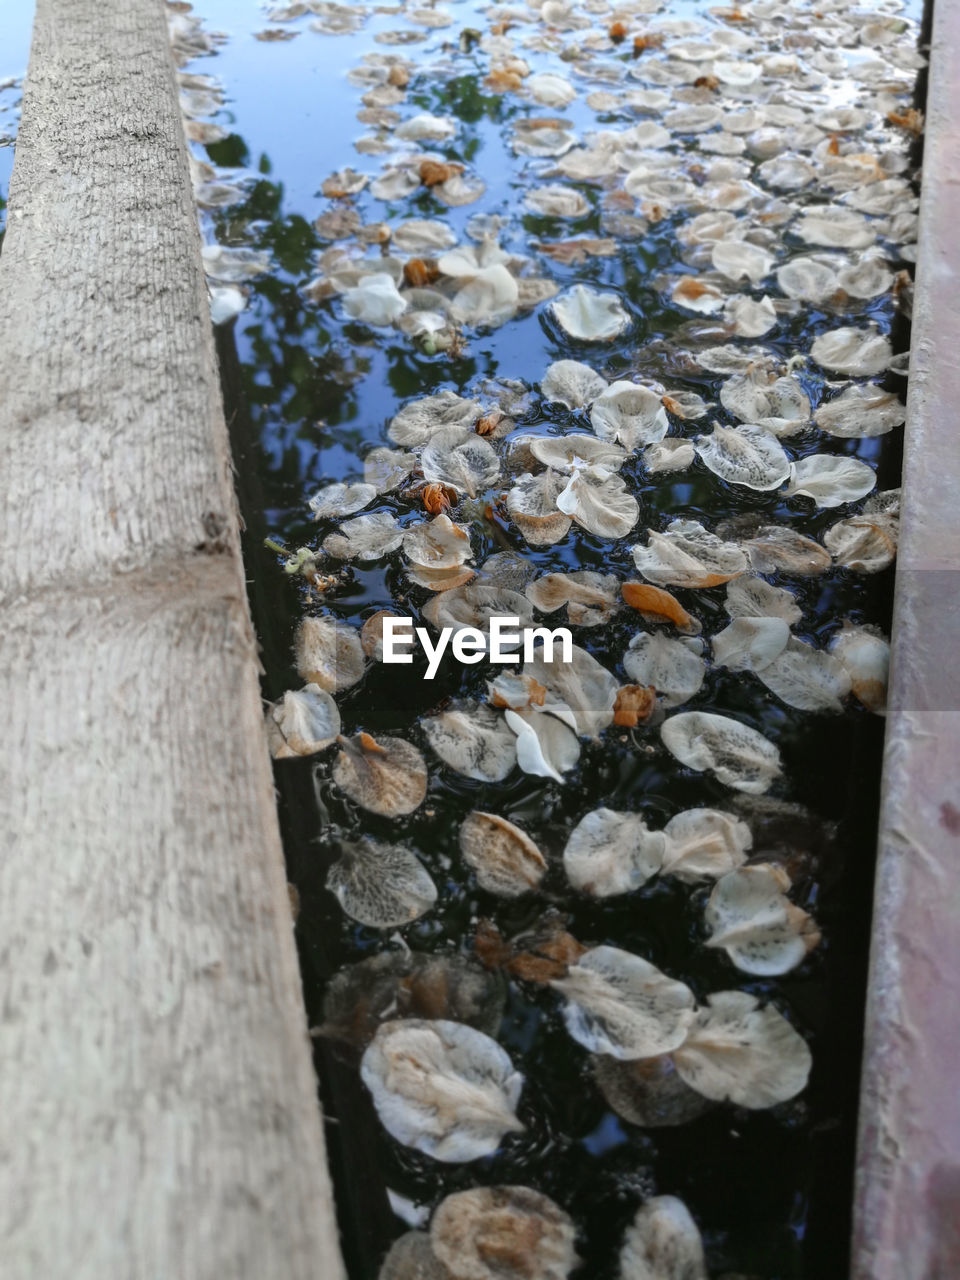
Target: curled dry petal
[[475, 605], [460, 458], [437, 544], [589, 315], [750, 916], [506, 861], [585, 686], [492, 1233], [599, 502], [510, 689], [861, 411], [704, 844], [416, 422], [591, 598], [774, 548], [635, 704], [328, 653], [474, 740], [570, 383], [385, 469], [620, 1004], [855, 352], [371, 633], [866, 658], [745, 455], [630, 414], [302, 723], [739, 756], [831, 480], [532, 504], [336, 500], [806, 678], [662, 1243], [748, 644], [610, 853], [385, 775], [743, 1053], [546, 746], [754, 597], [655, 605], [383, 886], [442, 1088], [366, 537]]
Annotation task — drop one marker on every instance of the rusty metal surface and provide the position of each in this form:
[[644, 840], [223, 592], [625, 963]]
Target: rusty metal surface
[[907, 1212]]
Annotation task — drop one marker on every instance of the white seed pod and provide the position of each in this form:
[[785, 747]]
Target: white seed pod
[[437, 544], [750, 317], [546, 746], [662, 1243], [855, 352], [674, 669], [571, 383], [302, 723], [585, 686], [620, 1004], [868, 278], [510, 689], [529, 140], [866, 659], [775, 548], [739, 1052], [648, 1091], [328, 653], [556, 202], [669, 455], [739, 756], [686, 555], [493, 1233], [416, 422], [834, 228], [750, 917], [336, 500], [411, 1257], [831, 479], [704, 844], [385, 469], [532, 505], [472, 739], [475, 605], [385, 775], [779, 405], [442, 1088], [610, 853], [699, 294], [383, 886], [806, 678], [423, 236], [590, 315], [550, 90], [745, 455], [599, 502], [865, 543], [366, 537], [489, 297], [860, 412], [754, 597], [573, 451], [460, 458], [739, 260], [506, 861], [591, 598], [748, 644], [630, 414]]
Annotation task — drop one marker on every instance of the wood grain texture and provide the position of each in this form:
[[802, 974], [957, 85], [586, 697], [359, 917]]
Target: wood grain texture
[[907, 1224], [158, 1113]]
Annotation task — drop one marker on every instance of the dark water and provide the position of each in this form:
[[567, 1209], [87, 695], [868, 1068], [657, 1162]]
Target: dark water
[[306, 391]]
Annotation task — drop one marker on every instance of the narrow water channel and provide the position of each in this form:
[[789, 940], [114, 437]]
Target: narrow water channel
[[658, 920]]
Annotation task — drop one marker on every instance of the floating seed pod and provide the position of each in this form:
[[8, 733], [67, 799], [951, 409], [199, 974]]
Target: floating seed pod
[[860, 412], [336, 500], [806, 678], [855, 352], [532, 504], [302, 723], [748, 644], [386, 775], [411, 1257], [673, 667], [437, 544], [458, 457], [865, 656], [505, 860], [385, 469], [495, 1233], [662, 1243], [739, 756], [383, 886], [568, 382], [774, 548], [648, 1092], [416, 422], [442, 1088], [830, 480], [583, 684], [739, 1052], [686, 555], [589, 315], [620, 1004], [704, 844], [746, 455], [754, 597], [630, 414], [591, 598], [657, 605], [409, 984], [365, 538], [546, 746], [750, 916], [474, 740], [599, 502], [609, 853], [328, 654]]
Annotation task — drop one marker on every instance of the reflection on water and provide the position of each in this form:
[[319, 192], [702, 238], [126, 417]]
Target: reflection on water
[[308, 391]]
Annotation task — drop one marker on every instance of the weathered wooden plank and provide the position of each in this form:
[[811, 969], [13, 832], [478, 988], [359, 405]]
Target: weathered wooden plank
[[158, 1112], [908, 1176]]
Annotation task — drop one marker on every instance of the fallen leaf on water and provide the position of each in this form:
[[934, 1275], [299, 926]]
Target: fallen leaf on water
[[655, 604], [609, 853], [740, 757], [383, 886], [302, 723], [385, 775], [490, 1233], [506, 861]]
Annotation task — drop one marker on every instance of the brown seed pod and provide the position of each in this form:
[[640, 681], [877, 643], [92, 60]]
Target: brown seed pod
[[617, 31], [635, 705], [438, 497], [418, 273], [433, 172], [488, 424]]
